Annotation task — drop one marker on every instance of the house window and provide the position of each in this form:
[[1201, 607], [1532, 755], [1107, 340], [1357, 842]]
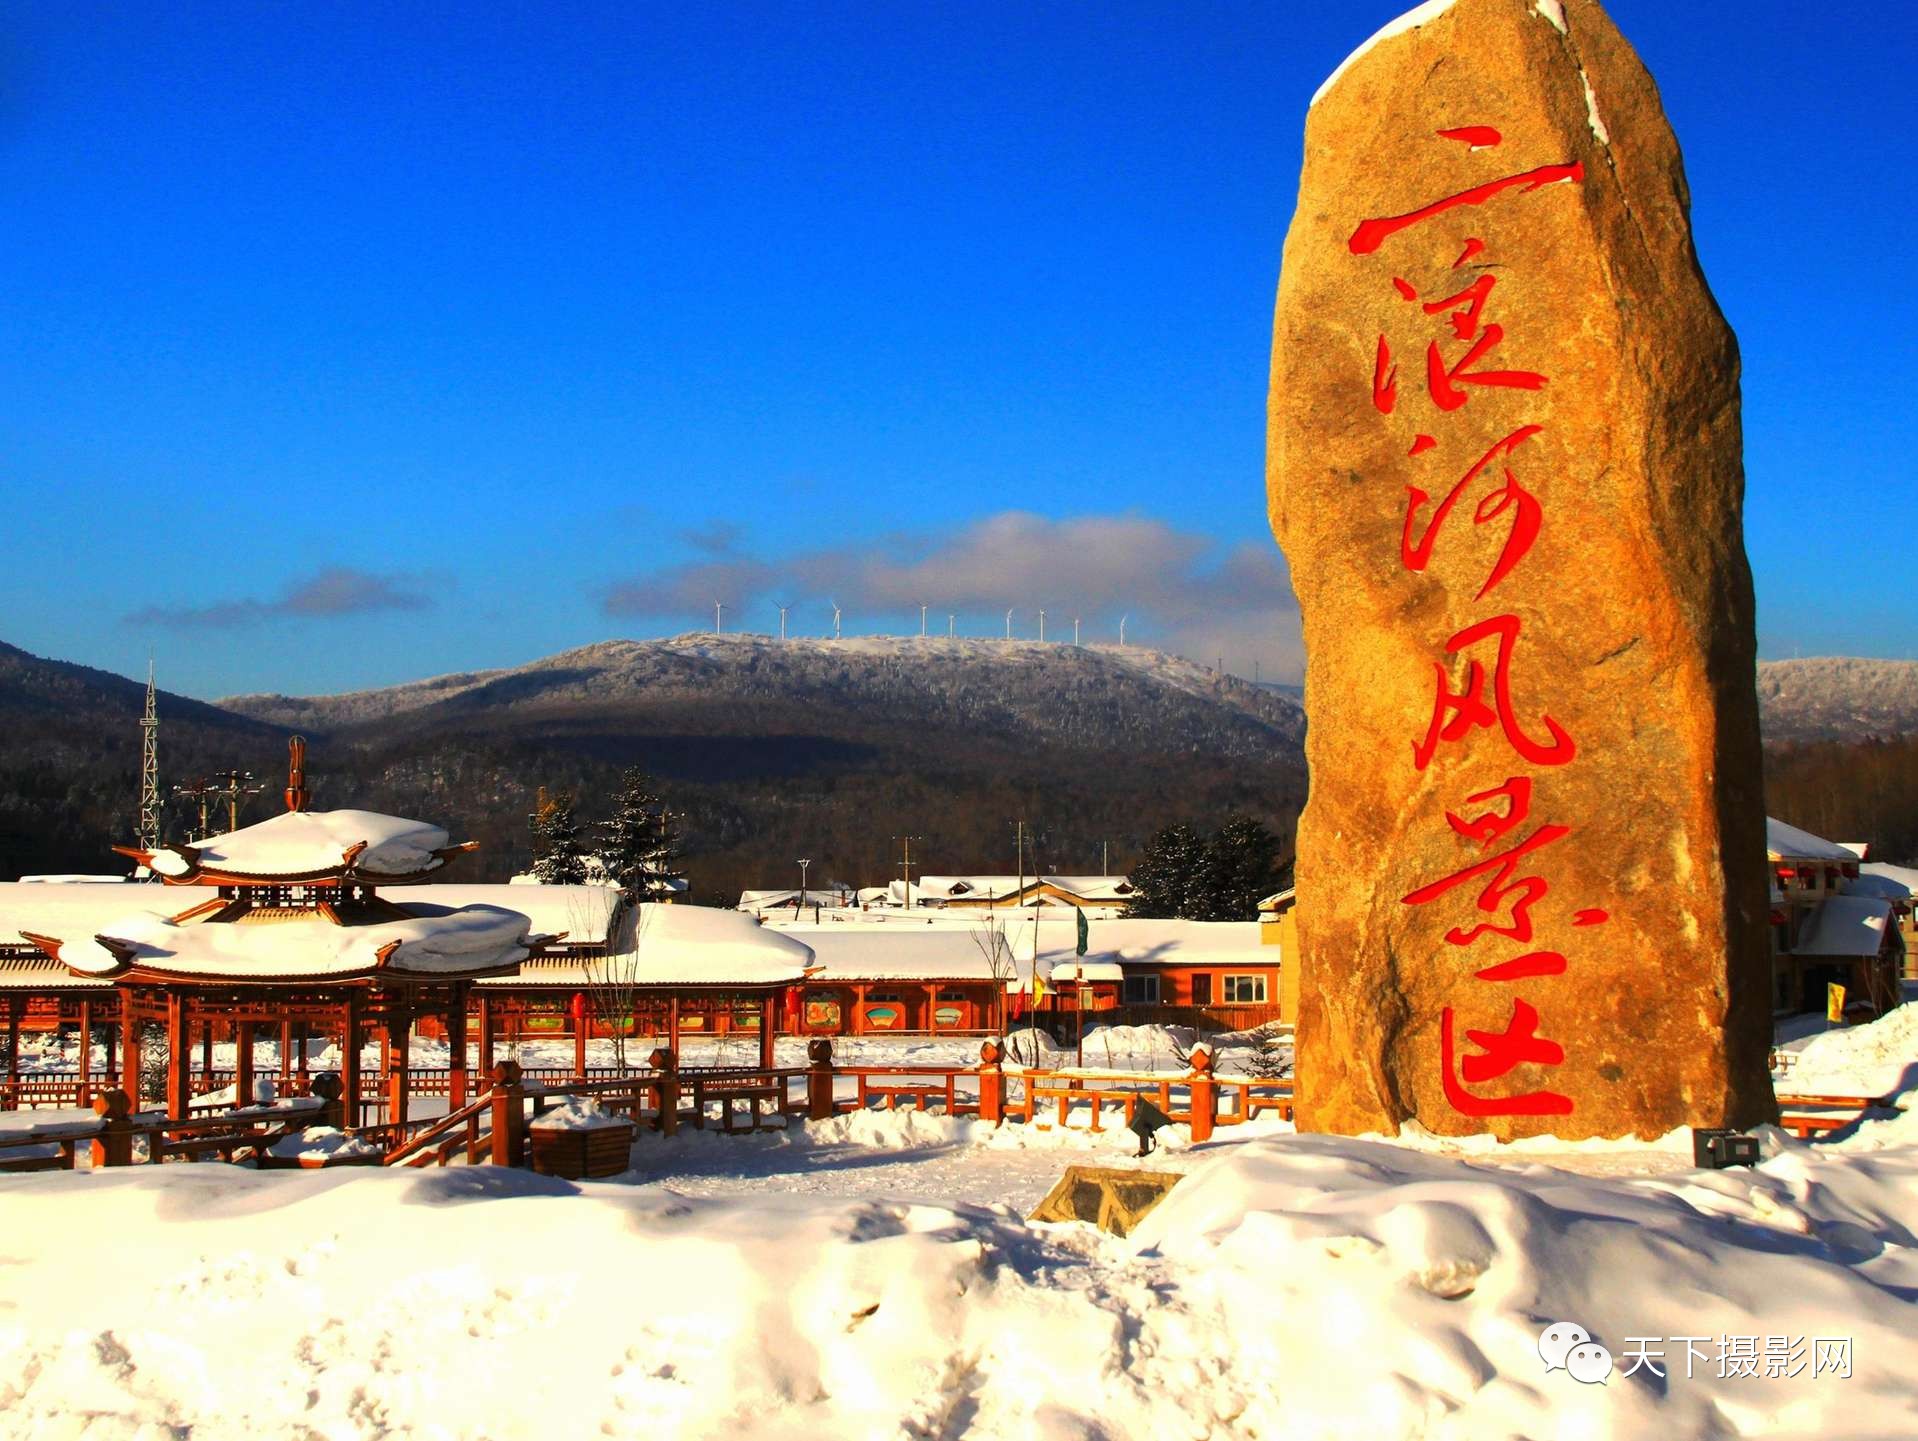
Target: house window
[[1245, 990], [1142, 990], [1202, 989]]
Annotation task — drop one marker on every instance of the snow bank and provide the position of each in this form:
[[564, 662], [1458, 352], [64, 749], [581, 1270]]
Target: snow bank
[[580, 1113], [1876, 1059], [1296, 1287]]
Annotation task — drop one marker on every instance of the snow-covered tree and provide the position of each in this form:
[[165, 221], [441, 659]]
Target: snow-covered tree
[[1242, 868], [1171, 876], [640, 844], [559, 858]]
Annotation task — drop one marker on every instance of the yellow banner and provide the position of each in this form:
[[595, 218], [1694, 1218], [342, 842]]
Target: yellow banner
[[1834, 1001]]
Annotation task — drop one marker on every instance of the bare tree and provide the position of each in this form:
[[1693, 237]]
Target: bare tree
[[612, 970]]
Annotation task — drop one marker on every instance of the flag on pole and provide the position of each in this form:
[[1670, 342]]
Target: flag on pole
[[1085, 930]]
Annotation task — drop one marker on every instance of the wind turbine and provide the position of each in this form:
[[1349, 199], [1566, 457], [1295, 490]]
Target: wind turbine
[[782, 618], [1075, 630], [922, 622], [950, 618], [1042, 625], [1122, 620], [1008, 622], [835, 618], [719, 609]]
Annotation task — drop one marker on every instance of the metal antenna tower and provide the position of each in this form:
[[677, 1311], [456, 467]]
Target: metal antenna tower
[[150, 769]]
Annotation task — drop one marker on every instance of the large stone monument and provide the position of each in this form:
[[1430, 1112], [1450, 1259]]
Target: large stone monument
[[1505, 467]]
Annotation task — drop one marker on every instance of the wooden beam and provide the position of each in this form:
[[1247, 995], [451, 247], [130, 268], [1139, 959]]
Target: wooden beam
[[486, 1036], [456, 1048], [350, 1059], [179, 1089], [398, 1048], [86, 1052], [243, 1062]]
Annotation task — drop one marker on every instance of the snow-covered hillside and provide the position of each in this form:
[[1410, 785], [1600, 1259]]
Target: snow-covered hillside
[[1094, 694]]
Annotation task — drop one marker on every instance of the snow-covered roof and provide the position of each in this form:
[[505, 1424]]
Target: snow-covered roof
[[584, 914], [679, 945], [1846, 926], [812, 896], [304, 844], [894, 949], [429, 940], [1898, 875], [75, 910], [980, 887], [1884, 887], [1788, 843]]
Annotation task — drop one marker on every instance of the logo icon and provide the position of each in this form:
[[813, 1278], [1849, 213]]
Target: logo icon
[[1567, 1346]]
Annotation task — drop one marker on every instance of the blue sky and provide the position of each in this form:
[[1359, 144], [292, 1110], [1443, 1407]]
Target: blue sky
[[344, 351]]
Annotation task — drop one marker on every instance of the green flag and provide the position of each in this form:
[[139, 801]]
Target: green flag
[[1084, 930]]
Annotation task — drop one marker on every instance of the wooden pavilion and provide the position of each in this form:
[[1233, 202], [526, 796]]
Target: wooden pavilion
[[295, 934]]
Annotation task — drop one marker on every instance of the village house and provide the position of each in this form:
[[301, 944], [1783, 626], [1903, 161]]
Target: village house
[[1828, 926]]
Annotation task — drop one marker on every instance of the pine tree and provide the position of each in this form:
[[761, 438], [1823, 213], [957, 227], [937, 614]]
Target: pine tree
[[640, 844], [1170, 877], [561, 861], [1242, 869]]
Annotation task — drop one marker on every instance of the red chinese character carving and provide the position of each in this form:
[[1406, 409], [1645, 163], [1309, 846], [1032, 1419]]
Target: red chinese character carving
[[1528, 514], [1466, 307], [1443, 384], [1524, 891], [1476, 136], [1502, 1051], [1523, 968], [1492, 826], [1373, 233], [1473, 246], [1453, 715], [1385, 379]]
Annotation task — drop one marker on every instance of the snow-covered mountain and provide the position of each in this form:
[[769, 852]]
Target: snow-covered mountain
[[1100, 696], [1837, 698]]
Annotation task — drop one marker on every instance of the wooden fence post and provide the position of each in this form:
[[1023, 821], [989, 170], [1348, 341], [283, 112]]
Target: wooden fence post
[[664, 1061], [509, 1115], [992, 1084], [819, 1080], [1205, 1094], [113, 1146]]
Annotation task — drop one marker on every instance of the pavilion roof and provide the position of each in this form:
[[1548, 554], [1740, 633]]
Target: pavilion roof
[[297, 846], [418, 940]]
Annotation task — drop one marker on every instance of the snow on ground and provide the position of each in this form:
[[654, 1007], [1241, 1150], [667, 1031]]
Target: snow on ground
[[870, 1277], [1876, 1059]]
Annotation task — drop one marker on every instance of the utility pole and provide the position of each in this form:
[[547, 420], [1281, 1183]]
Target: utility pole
[[905, 864], [1105, 858], [804, 862], [150, 768]]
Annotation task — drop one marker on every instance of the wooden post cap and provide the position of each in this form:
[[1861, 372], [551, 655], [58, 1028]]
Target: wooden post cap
[[989, 1053], [326, 1086], [506, 1073], [1202, 1059], [112, 1105], [661, 1059], [819, 1051]]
